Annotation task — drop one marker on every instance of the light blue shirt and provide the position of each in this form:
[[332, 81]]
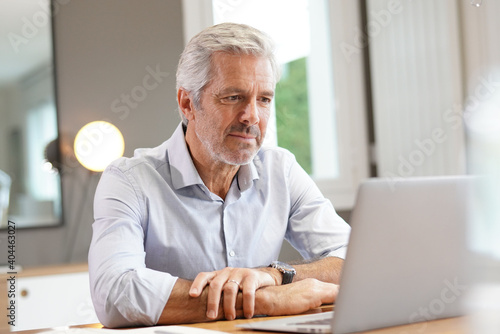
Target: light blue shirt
[[155, 221]]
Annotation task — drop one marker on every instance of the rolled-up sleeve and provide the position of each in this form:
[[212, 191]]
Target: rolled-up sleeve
[[315, 229], [124, 291]]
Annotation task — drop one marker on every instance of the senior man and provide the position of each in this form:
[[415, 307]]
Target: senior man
[[189, 231]]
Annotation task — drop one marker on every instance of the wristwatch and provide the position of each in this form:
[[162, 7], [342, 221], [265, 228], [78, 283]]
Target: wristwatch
[[287, 270]]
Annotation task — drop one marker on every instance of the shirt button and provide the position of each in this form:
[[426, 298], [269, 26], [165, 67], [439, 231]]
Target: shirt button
[[232, 253]]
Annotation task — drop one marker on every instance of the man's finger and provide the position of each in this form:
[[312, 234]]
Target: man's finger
[[248, 301], [200, 282], [214, 294], [231, 290]]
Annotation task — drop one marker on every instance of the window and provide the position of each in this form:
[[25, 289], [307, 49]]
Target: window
[[304, 96]]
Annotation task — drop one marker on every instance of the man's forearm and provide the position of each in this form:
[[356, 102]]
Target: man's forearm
[[182, 308], [327, 270]]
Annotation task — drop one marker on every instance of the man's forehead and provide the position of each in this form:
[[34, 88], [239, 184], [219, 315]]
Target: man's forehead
[[233, 73], [223, 60]]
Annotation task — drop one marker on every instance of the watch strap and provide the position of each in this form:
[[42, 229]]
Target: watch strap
[[287, 271], [287, 277]]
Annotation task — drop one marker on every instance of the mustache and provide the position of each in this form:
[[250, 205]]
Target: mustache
[[248, 130]]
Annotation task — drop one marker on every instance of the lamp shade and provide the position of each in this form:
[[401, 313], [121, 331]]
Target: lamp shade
[[97, 144]]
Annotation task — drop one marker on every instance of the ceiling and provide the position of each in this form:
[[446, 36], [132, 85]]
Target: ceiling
[[25, 38]]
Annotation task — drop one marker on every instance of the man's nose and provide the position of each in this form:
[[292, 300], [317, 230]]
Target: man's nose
[[250, 114]]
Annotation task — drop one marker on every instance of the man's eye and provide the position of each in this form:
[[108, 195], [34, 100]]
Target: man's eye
[[265, 100], [232, 98]]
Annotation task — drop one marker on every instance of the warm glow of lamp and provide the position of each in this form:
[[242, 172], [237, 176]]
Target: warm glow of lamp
[[97, 144]]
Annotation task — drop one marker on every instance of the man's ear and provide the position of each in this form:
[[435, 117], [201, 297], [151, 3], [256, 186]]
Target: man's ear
[[185, 103]]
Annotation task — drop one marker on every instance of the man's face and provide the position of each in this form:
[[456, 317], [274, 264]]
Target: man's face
[[235, 106]]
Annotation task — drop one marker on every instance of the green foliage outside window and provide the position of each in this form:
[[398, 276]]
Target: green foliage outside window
[[292, 112]]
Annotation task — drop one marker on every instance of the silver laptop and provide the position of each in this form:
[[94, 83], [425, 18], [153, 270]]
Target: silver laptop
[[405, 262]]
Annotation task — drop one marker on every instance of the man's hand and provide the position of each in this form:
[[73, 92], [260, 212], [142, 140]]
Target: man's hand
[[295, 298], [227, 283]]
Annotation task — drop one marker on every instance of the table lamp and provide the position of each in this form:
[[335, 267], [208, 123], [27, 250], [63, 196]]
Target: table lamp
[[97, 144]]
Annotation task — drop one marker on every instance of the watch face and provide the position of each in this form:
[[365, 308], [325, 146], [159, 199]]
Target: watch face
[[283, 265]]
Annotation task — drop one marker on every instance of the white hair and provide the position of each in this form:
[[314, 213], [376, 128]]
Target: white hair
[[194, 71]]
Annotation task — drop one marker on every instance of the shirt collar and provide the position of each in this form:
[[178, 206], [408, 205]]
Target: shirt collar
[[246, 174], [184, 172]]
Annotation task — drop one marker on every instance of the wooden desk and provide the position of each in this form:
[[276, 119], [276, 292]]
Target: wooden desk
[[449, 326]]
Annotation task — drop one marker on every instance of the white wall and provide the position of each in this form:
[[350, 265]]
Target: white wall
[[105, 49]]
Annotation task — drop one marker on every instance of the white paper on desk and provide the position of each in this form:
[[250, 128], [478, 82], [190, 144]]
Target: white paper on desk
[[144, 330]]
